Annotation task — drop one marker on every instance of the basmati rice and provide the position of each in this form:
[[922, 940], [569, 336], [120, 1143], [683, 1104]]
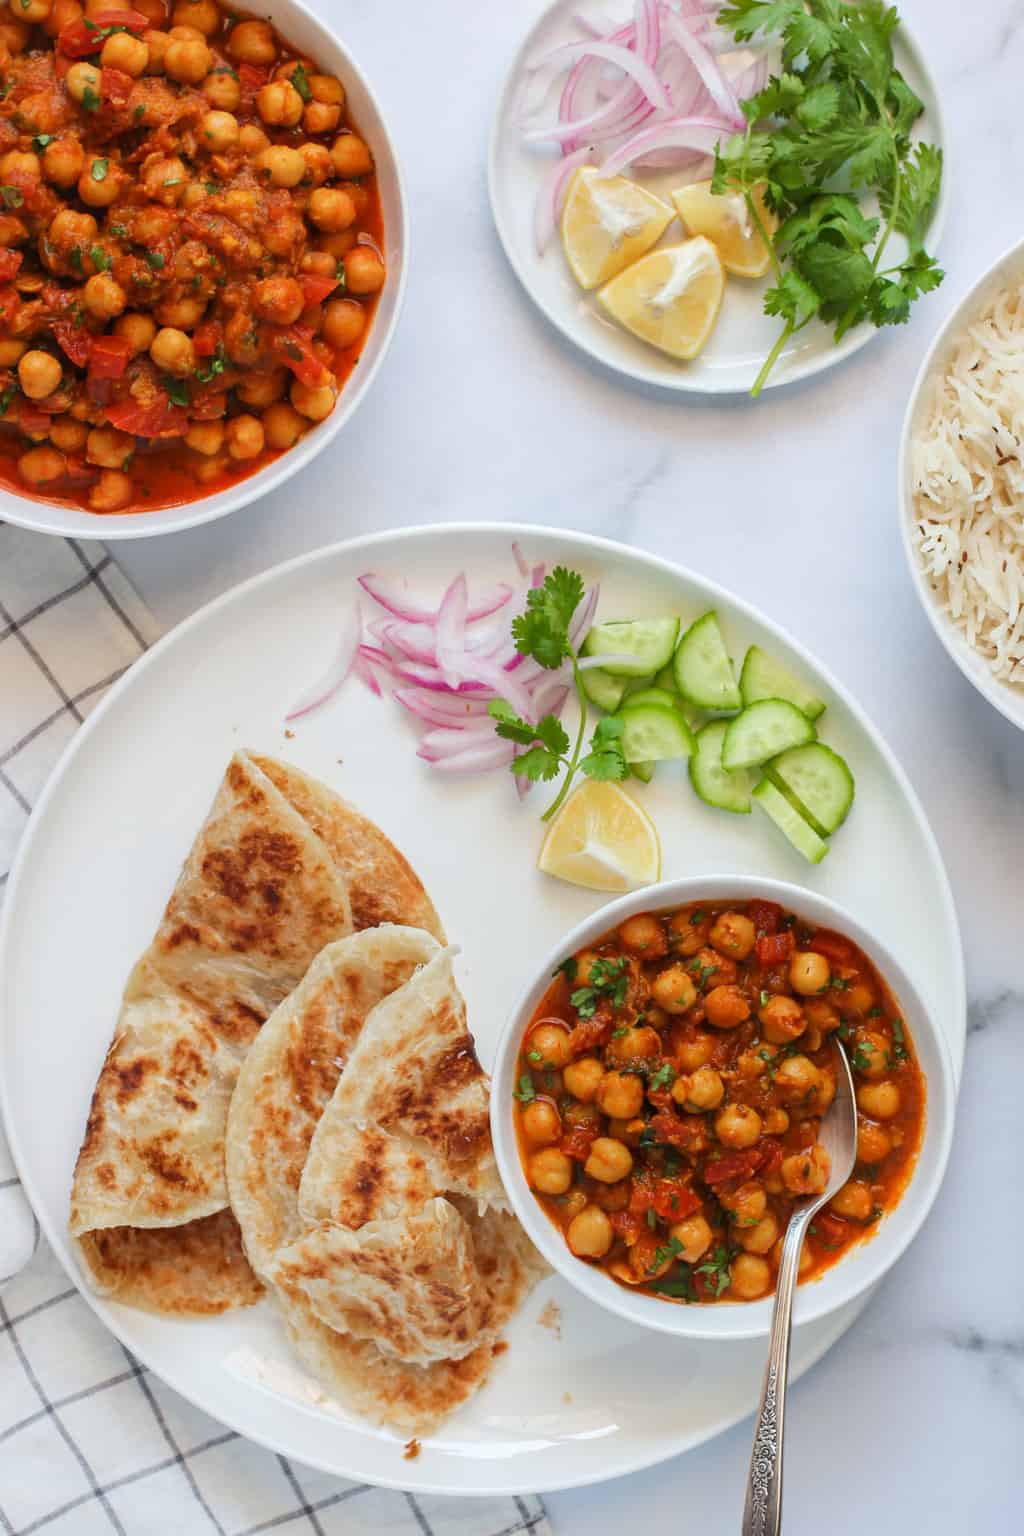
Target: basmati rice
[[967, 469]]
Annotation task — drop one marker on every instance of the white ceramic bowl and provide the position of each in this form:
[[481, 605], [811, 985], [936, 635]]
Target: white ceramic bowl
[[1008, 269], [303, 30], [867, 1262]]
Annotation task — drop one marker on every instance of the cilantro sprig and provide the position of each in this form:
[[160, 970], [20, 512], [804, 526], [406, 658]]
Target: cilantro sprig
[[838, 115], [542, 632], [607, 979]]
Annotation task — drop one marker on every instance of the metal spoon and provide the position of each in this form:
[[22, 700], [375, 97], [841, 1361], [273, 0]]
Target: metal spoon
[[762, 1513]]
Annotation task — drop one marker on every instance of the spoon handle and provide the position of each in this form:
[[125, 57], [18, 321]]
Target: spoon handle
[[762, 1512]]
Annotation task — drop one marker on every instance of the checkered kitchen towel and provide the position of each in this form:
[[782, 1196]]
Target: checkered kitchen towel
[[90, 1443]]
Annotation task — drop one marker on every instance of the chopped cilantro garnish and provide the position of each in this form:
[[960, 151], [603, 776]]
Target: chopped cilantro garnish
[[525, 1092], [12, 196], [90, 100], [534, 1056], [176, 391], [652, 1219], [718, 1270], [99, 170], [75, 258], [860, 1061], [99, 258], [217, 365], [664, 1077], [899, 1051], [568, 969], [339, 274], [609, 979], [300, 80], [6, 398], [663, 1254], [679, 1285], [154, 260], [139, 112], [698, 917], [41, 140]]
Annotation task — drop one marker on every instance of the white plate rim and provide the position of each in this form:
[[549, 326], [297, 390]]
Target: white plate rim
[[409, 1480], [685, 382], [1009, 702]]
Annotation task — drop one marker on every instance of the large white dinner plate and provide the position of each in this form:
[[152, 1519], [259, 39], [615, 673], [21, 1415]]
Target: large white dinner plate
[[744, 334], [595, 1398]]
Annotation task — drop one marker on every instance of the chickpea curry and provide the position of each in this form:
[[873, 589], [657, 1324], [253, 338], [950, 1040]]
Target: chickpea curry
[[671, 1085], [190, 249]]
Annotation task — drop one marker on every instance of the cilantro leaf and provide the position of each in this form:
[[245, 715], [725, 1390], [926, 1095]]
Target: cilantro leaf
[[543, 630], [718, 1270], [525, 1091], [606, 759], [536, 764]]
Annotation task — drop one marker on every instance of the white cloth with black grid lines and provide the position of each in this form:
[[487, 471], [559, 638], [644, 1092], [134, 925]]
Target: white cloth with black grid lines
[[90, 1442]]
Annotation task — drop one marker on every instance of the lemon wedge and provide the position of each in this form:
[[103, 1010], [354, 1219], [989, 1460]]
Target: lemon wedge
[[670, 297], [726, 221], [601, 839], [607, 223]]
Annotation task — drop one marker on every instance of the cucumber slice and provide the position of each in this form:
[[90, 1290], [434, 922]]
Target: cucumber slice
[[602, 689], [714, 784], [765, 678], [642, 771], [789, 821], [703, 671], [651, 696], [650, 642], [764, 730], [817, 782], [652, 734]]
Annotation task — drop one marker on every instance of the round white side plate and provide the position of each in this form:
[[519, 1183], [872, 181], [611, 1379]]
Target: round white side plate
[[583, 1397], [744, 335]]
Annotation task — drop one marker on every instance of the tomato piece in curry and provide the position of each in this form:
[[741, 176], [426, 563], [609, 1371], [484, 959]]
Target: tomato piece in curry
[[190, 249], [671, 1085]]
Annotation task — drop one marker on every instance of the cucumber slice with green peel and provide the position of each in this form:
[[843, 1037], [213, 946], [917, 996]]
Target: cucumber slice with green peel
[[653, 734], [651, 696], [789, 821], [763, 730], [714, 784], [817, 782], [702, 668], [643, 771], [763, 677], [602, 689], [648, 642]]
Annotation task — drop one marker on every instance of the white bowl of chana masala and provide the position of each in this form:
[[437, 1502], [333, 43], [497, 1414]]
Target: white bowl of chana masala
[[659, 1089], [202, 237]]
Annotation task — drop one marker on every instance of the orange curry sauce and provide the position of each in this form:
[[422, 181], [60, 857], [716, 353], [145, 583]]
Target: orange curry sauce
[[670, 1088], [138, 198]]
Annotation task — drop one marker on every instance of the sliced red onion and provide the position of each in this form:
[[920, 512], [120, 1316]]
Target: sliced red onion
[[503, 684], [398, 602], [364, 239], [697, 133], [448, 713], [637, 68], [327, 685], [584, 617], [478, 758], [704, 63], [362, 669], [451, 631]]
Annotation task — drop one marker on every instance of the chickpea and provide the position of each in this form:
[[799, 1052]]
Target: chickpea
[[80, 78], [761, 1237], [715, 970], [138, 330], [726, 1007], [112, 491], [151, 225], [574, 1202], [639, 1043], [552, 1041], [747, 1204], [337, 245], [205, 437], [871, 1054], [644, 936], [585, 963], [39, 374], [20, 161], [620, 1095], [262, 389], [285, 167], [33, 11], [99, 183], [222, 90], [279, 300], [14, 35], [549, 1171], [219, 131], [319, 117], [590, 1234], [331, 209], [541, 1122], [318, 164], [733, 934], [782, 1019], [809, 972], [704, 1090], [251, 139], [103, 297], [879, 1100], [12, 230], [10, 351], [282, 428], [351, 156], [109, 448], [316, 404], [173, 351], [609, 1160], [187, 59], [124, 52], [738, 1125], [776, 1122], [157, 42], [279, 104], [253, 42], [806, 1173], [364, 270], [797, 1077], [692, 1054], [203, 15], [39, 465], [858, 999], [693, 1236], [207, 470], [672, 988], [164, 179], [854, 1201], [245, 437], [873, 1141], [751, 1276], [63, 13], [582, 1077], [689, 935], [183, 314], [821, 1014]]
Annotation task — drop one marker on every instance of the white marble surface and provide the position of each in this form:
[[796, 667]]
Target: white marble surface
[[917, 1417]]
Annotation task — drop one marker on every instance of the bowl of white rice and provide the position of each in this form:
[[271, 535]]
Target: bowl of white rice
[[962, 485]]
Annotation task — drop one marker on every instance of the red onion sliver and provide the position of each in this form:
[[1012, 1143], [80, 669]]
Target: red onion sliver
[[704, 63], [451, 631], [362, 669], [630, 63], [364, 239], [327, 685], [399, 603], [477, 758], [698, 133]]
